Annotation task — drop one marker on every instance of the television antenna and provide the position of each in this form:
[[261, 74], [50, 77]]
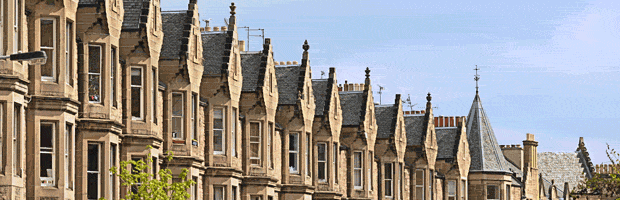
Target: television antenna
[[322, 73], [408, 102], [381, 88], [248, 30]]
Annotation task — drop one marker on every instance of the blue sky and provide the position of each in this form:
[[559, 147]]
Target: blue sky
[[548, 68]]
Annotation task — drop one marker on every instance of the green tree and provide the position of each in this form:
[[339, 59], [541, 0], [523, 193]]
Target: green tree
[[144, 186], [603, 184]]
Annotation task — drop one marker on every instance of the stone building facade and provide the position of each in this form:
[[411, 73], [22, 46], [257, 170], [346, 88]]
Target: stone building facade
[[122, 75]]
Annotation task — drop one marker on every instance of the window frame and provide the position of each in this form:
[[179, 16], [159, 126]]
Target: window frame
[[180, 134], [233, 132], [97, 172], [388, 180], [293, 167], [420, 186], [95, 74], [17, 17], [68, 51], [335, 161], [259, 149], [222, 132], [308, 155], [323, 162], [113, 163], [17, 130], [48, 181], [141, 95], [113, 71], [154, 88], [371, 162], [222, 189], [270, 144], [451, 189], [463, 189], [358, 170], [193, 114], [68, 153], [53, 48]]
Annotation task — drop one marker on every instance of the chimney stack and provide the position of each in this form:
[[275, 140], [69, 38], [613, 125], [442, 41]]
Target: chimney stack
[[295, 63], [282, 63], [223, 28], [530, 151], [346, 86], [215, 28], [241, 45], [289, 63]]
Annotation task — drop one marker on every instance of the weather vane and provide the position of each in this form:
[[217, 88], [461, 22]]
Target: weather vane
[[477, 77]]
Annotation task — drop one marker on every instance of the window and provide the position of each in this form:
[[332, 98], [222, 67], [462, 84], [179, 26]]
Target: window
[[321, 149], [48, 44], [270, 145], [234, 193], [419, 184], [1, 28], [233, 132], [388, 176], [451, 190], [2, 121], [507, 192], [256, 197], [137, 102], [463, 186], [219, 138], [113, 76], [293, 153], [357, 170], [335, 162], [492, 192], [255, 146], [68, 156], [16, 26], [94, 191], [68, 47], [218, 193], [195, 46], [154, 94], [154, 166], [194, 191], [94, 73], [177, 115], [113, 164], [308, 146], [17, 125], [401, 180], [371, 161], [135, 187], [194, 126], [46, 148], [431, 182]]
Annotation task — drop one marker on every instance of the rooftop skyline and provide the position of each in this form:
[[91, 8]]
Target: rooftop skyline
[[545, 68]]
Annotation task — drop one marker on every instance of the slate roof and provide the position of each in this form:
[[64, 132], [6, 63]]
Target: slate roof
[[351, 105], [322, 96], [414, 125], [486, 156], [172, 26], [288, 83], [547, 184], [213, 47], [447, 141], [562, 167], [250, 65], [133, 13], [385, 116], [513, 168], [85, 2]]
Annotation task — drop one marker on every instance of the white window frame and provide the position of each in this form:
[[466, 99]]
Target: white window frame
[[388, 179], [68, 47], [17, 126], [52, 48], [321, 163], [358, 170], [154, 88], [178, 135], [68, 156], [16, 28], [293, 167], [451, 189], [418, 186], [223, 132], [98, 172], [49, 181], [307, 163], [94, 73], [193, 114], [112, 181], [270, 144], [233, 132], [335, 161], [497, 192], [141, 88], [463, 189], [259, 137], [113, 71], [223, 192]]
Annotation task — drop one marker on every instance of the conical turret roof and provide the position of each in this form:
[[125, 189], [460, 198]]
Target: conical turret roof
[[486, 156]]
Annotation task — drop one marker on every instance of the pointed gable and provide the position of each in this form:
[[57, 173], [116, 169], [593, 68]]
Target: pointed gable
[[322, 95], [486, 156]]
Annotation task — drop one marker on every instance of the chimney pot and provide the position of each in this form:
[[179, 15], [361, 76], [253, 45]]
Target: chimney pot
[[451, 121], [502, 146], [223, 28], [282, 63], [441, 121], [202, 29], [208, 28], [241, 45], [436, 121], [216, 28], [423, 112], [407, 112], [351, 87], [289, 62], [295, 62]]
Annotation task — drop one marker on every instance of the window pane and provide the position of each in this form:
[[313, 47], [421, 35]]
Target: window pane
[[93, 87], [218, 193], [47, 134], [136, 76], [293, 142], [419, 193], [218, 123], [135, 102], [48, 68], [492, 192], [93, 157], [321, 152], [292, 162], [254, 130], [47, 33], [388, 171], [177, 127], [419, 177], [321, 169], [357, 161], [254, 150], [94, 59], [217, 140], [358, 177], [177, 104], [93, 186], [46, 164], [451, 188]]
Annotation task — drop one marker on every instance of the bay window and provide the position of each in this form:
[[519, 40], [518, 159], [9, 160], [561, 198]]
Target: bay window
[[93, 171], [293, 153], [46, 153], [178, 117], [48, 44], [137, 102], [255, 143], [388, 176], [219, 134], [322, 161], [358, 160], [94, 73]]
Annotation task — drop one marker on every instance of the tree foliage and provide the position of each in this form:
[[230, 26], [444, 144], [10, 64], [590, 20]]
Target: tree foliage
[[145, 186]]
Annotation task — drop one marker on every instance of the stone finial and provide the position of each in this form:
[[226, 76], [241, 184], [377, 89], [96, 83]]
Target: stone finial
[[267, 40], [232, 9], [306, 46], [581, 143], [367, 72], [428, 97]]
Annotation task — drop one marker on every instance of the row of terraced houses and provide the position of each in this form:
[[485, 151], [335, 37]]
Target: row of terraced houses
[[121, 75]]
